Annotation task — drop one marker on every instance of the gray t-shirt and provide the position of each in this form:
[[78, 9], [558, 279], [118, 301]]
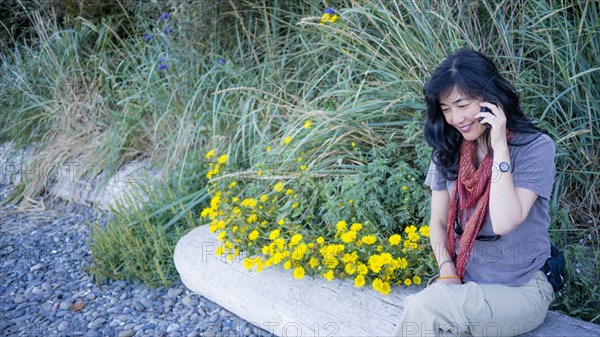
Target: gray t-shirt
[[514, 258]]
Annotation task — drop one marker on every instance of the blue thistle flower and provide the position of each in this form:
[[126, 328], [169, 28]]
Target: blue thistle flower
[[329, 10], [167, 30], [164, 16], [147, 37], [162, 66], [221, 61]]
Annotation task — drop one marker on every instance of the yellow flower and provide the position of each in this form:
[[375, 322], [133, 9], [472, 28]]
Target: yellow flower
[[252, 218], [359, 281], [287, 265], [424, 230], [253, 235], [348, 237], [268, 148], [222, 159], [402, 263], [307, 124], [210, 154], [334, 18], [328, 275], [248, 263], [220, 251], [295, 205], [375, 263], [355, 226], [264, 198], [320, 240], [302, 167], [313, 263], [395, 239], [416, 280], [299, 252], [350, 257], [341, 226], [414, 237], [259, 265], [298, 273], [259, 173], [287, 140], [289, 191], [404, 188], [369, 239], [295, 239], [407, 282], [362, 269], [410, 229], [281, 221], [381, 286], [350, 269], [278, 187], [353, 144], [232, 185], [221, 236], [274, 234], [249, 202]]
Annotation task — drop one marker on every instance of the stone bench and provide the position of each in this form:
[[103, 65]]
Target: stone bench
[[274, 301]]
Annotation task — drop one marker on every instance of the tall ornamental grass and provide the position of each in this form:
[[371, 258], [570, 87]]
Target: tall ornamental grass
[[247, 78]]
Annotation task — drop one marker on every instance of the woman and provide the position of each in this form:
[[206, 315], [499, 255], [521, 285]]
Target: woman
[[491, 176]]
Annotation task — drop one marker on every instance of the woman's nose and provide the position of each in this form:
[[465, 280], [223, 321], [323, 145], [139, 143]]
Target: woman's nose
[[458, 117]]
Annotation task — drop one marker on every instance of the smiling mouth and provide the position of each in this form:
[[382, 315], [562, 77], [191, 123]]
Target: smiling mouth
[[466, 128]]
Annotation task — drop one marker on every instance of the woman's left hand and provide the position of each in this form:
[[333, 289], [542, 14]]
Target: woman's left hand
[[497, 120]]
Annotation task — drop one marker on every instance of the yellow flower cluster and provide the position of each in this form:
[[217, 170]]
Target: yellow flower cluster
[[329, 16], [267, 229], [215, 168]]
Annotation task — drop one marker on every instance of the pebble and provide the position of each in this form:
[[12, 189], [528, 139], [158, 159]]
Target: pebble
[[47, 274]]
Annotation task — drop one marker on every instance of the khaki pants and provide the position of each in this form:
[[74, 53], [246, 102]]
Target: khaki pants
[[476, 309]]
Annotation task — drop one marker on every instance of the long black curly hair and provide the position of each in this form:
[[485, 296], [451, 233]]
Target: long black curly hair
[[474, 75]]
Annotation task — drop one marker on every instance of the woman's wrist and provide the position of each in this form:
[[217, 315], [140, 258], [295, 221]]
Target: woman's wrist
[[447, 268]]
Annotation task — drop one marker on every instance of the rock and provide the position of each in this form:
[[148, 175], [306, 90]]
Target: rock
[[174, 292], [36, 268], [139, 306], [172, 327], [126, 333], [146, 302], [65, 305], [19, 299]]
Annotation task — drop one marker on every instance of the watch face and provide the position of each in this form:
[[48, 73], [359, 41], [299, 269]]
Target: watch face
[[504, 167]]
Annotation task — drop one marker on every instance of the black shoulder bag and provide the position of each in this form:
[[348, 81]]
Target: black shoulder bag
[[554, 268]]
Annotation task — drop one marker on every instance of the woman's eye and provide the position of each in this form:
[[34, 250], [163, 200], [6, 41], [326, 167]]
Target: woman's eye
[[463, 106]]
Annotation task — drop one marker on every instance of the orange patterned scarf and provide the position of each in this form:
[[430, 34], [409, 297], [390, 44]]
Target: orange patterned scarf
[[472, 188]]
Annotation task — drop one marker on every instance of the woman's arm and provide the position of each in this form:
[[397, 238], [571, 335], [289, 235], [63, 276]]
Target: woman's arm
[[508, 206], [440, 201]]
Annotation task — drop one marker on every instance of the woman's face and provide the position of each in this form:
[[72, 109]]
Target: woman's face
[[458, 110]]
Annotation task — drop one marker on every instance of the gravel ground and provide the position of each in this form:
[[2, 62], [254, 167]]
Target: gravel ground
[[46, 291]]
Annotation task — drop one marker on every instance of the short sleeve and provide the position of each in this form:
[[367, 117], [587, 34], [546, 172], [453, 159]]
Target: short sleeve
[[434, 178], [534, 167]]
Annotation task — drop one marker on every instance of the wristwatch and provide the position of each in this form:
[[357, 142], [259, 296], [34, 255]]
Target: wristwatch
[[504, 166]]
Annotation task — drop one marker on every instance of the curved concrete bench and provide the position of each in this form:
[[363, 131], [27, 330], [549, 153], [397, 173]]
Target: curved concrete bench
[[274, 301]]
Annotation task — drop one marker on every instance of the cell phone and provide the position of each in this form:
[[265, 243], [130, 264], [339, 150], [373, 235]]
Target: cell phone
[[485, 109]]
